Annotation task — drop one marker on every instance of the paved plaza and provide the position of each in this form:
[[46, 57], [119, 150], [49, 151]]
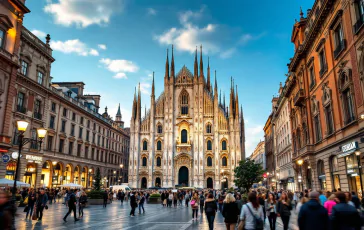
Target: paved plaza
[[116, 216]]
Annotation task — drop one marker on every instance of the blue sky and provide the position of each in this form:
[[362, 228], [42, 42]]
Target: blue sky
[[111, 45]]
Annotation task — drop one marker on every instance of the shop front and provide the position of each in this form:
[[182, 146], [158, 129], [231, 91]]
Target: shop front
[[10, 170], [30, 175], [46, 174]]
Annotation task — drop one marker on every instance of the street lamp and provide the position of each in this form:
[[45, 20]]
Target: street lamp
[[357, 153], [89, 174], [22, 127], [300, 162], [114, 176], [121, 170]]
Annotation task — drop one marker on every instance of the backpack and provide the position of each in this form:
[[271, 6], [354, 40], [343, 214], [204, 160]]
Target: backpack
[[259, 223]]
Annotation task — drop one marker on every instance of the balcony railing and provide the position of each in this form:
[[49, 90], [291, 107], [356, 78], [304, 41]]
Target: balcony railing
[[339, 48], [358, 24], [21, 109], [323, 70], [36, 41], [37, 115], [299, 97]]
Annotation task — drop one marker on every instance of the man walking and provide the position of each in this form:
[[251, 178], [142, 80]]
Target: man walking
[[105, 196], [141, 203], [313, 215], [41, 203], [133, 204], [71, 206], [344, 216]]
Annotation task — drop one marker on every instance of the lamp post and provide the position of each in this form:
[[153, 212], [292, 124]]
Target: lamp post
[[300, 162], [121, 171], [22, 127], [357, 153], [89, 174], [114, 176]]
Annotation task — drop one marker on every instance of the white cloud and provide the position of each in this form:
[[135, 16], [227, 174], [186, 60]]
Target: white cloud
[[145, 88], [83, 13], [39, 34], [189, 35], [253, 134], [245, 38], [120, 76], [120, 65], [151, 11], [228, 53], [102, 47], [73, 46]]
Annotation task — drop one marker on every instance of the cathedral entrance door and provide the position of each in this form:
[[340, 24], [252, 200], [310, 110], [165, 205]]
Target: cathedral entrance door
[[157, 182], [209, 183], [183, 176], [144, 183], [224, 184]]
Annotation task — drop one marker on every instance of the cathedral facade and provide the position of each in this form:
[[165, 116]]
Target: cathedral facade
[[189, 137]]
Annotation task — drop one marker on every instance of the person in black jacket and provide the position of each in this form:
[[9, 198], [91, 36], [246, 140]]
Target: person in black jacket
[[230, 211], [133, 204], [71, 206], [31, 202], [313, 215], [343, 215], [202, 202], [106, 197], [81, 204], [355, 200], [284, 209], [41, 203], [210, 210]]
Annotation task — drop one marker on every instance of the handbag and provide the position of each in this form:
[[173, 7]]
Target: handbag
[[193, 202], [26, 209], [259, 223]]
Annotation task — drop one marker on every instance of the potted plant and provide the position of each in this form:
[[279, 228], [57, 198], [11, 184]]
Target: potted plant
[[96, 195]]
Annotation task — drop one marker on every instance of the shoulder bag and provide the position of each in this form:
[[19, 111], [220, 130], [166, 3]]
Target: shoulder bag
[[259, 223]]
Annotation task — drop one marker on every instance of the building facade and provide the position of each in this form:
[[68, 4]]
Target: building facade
[[188, 137], [79, 138], [324, 89], [259, 155], [284, 172]]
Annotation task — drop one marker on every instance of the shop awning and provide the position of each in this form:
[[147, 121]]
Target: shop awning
[[7, 182]]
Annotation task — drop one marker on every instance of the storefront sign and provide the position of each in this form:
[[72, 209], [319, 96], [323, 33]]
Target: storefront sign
[[6, 158], [32, 158], [348, 149], [290, 180]]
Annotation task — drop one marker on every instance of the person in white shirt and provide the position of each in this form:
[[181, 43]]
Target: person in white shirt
[[250, 209]]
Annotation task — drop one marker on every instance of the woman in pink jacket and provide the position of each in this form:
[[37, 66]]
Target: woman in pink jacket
[[330, 203]]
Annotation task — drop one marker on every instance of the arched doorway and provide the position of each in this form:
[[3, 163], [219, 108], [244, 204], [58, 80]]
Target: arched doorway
[[209, 183], [157, 182], [67, 175], [183, 176], [84, 176], [308, 179], [30, 175], [46, 172], [144, 183], [76, 175], [225, 183]]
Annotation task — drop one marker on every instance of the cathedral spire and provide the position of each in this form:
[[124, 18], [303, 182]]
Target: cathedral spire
[[152, 95], [139, 103], [236, 104], [119, 112], [166, 76], [201, 66], [195, 75], [224, 102], [172, 65], [208, 75], [215, 86], [220, 98]]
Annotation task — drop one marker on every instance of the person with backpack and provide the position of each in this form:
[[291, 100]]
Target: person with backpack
[[194, 206], [141, 203], [284, 208], [230, 212], [210, 210], [72, 202], [251, 215]]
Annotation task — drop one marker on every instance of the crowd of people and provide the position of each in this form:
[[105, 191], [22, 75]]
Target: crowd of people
[[315, 209]]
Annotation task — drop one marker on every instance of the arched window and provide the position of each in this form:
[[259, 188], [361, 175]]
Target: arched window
[[224, 161], [208, 128], [223, 145], [145, 145], [159, 145], [184, 136], [144, 163], [160, 129], [334, 168], [184, 103], [209, 145], [209, 161], [159, 162]]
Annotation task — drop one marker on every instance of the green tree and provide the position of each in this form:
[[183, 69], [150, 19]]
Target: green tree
[[97, 184], [248, 173]]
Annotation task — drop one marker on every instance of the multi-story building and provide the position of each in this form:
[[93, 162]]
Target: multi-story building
[[325, 90], [258, 156], [187, 137], [269, 148], [79, 139], [284, 172], [11, 21]]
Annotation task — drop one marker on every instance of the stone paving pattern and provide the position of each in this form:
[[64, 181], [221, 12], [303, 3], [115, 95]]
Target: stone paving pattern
[[116, 216]]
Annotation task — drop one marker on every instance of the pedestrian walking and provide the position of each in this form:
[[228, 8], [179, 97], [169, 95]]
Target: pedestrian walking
[[271, 212], [194, 206], [41, 203], [344, 215], [31, 203], [82, 204], [230, 212], [170, 199], [72, 202], [220, 201], [330, 203], [141, 202], [355, 200], [202, 202], [105, 197], [133, 204], [251, 215], [284, 209], [322, 198], [187, 199], [261, 200], [210, 210], [312, 214], [175, 200]]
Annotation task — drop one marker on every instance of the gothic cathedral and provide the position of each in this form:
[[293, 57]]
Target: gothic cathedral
[[188, 137]]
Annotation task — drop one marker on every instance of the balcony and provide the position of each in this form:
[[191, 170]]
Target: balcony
[[20, 109], [340, 47], [37, 115], [359, 23], [299, 98]]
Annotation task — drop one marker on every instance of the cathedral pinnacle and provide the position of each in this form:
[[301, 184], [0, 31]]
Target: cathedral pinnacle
[[195, 68], [172, 64], [119, 112], [201, 66], [153, 86], [167, 68]]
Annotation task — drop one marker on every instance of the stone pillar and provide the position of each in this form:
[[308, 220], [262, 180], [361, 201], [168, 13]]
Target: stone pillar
[[38, 175]]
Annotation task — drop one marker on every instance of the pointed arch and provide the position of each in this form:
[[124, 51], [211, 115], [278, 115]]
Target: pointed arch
[[184, 102], [208, 128]]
